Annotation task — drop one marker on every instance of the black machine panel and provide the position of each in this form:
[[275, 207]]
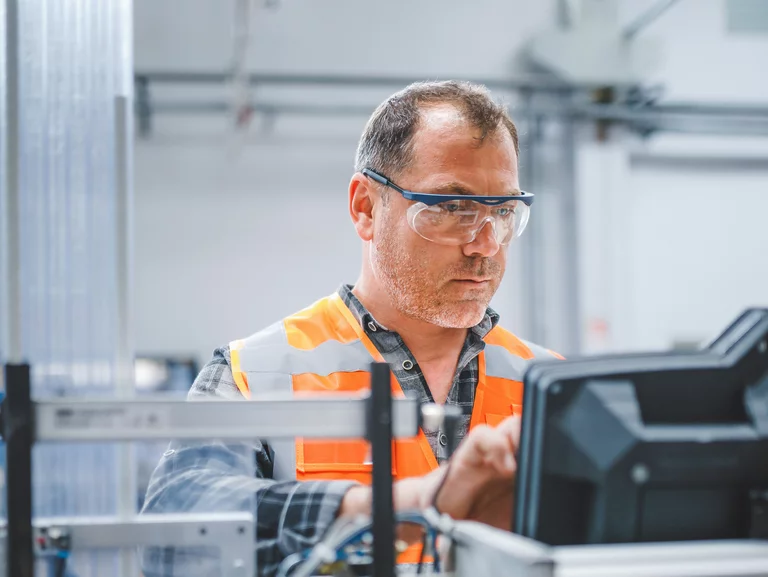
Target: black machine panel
[[654, 447]]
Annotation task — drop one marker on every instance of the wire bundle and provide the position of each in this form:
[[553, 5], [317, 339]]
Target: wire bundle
[[333, 551]]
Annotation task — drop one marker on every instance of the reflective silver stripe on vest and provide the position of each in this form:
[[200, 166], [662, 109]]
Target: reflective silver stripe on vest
[[499, 362], [539, 352], [269, 363], [269, 352]]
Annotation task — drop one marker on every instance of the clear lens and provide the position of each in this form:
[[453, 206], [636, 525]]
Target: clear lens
[[458, 222]]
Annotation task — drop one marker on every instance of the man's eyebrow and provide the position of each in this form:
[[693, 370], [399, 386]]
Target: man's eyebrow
[[457, 188], [451, 188]]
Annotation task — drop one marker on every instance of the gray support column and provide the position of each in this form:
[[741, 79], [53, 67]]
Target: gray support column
[[124, 362], [65, 231], [125, 350], [532, 258], [569, 211], [10, 244]]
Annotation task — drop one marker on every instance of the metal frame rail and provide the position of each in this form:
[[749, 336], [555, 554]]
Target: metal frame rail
[[232, 533], [484, 551]]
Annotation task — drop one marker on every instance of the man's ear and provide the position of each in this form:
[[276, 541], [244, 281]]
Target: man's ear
[[361, 201]]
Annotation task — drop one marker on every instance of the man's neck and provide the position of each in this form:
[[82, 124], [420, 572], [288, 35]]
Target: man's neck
[[426, 341]]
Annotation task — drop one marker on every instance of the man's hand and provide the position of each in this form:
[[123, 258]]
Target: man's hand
[[478, 485]]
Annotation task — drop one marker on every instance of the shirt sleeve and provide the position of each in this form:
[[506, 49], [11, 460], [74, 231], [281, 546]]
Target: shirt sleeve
[[215, 476]]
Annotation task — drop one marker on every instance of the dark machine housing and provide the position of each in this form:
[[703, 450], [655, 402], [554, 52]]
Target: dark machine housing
[[649, 448]]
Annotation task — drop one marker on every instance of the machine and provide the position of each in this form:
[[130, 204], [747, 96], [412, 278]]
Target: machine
[[649, 448]]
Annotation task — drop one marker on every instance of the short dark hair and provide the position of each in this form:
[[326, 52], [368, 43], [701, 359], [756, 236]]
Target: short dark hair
[[386, 145]]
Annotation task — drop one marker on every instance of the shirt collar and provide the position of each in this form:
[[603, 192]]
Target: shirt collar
[[361, 314]]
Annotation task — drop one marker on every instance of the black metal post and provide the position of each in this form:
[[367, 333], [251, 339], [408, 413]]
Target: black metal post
[[17, 421], [380, 437], [451, 421]]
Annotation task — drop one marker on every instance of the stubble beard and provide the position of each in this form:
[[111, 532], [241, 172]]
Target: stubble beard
[[401, 275]]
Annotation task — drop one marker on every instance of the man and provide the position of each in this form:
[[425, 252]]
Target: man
[[436, 200]]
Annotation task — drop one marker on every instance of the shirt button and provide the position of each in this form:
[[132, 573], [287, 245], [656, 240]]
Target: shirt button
[[372, 326], [407, 364], [443, 439]]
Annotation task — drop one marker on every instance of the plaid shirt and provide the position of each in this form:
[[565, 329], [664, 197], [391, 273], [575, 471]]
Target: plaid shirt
[[290, 516]]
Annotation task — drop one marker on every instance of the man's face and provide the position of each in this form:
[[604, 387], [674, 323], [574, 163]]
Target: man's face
[[449, 286]]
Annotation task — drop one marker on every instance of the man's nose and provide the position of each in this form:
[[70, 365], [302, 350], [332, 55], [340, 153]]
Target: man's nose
[[485, 243]]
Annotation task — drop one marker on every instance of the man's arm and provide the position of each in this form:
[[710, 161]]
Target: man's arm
[[218, 477]]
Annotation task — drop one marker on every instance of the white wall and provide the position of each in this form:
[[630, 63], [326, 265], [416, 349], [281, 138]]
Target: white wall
[[698, 239], [427, 37], [702, 61], [674, 239], [229, 238], [226, 246]]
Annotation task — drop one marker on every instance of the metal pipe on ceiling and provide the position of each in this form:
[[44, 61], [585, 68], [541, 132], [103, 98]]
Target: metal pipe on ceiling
[[541, 84], [649, 113], [686, 118]]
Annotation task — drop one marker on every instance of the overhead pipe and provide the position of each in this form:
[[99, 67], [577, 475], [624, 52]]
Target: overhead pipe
[[616, 112], [543, 84]]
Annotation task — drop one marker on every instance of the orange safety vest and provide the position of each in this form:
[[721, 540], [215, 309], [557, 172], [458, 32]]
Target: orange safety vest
[[324, 349]]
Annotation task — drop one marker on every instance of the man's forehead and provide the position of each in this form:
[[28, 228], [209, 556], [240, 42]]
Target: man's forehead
[[441, 117], [457, 153], [444, 126]]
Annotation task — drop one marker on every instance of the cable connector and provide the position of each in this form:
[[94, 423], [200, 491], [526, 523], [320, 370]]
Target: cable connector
[[442, 522]]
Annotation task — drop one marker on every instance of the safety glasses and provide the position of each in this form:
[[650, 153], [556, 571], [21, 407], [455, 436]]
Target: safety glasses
[[456, 219]]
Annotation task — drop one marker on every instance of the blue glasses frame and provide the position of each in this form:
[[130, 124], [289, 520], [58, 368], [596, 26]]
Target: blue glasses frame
[[432, 199]]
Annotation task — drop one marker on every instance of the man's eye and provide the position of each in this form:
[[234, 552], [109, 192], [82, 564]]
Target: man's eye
[[451, 206]]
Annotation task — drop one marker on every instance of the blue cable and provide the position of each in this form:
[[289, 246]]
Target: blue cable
[[354, 538], [61, 567], [436, 557], [414, 518], [58, 562]]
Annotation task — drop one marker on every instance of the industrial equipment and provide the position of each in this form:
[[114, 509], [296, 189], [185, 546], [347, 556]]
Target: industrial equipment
[[629, 465]]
